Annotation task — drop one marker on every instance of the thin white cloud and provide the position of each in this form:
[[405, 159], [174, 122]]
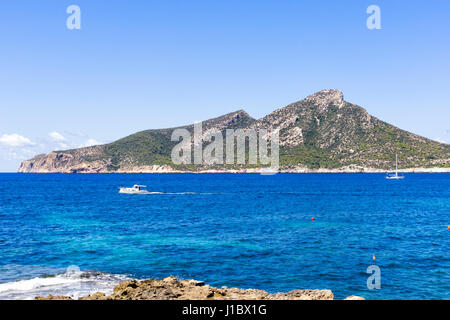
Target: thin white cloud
[[90, 143], [76, 134], [56, 136], [15, 148], [15, 140], [439, 140], [17, 154], [63, 145]]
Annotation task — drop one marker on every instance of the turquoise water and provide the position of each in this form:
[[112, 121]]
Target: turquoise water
[[242, 230]]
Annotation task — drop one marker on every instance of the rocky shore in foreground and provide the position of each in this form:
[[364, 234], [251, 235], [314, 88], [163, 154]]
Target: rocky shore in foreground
[[171, 288]]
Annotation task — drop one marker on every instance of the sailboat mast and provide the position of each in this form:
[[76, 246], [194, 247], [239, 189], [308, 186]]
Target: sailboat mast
[[396, 166]]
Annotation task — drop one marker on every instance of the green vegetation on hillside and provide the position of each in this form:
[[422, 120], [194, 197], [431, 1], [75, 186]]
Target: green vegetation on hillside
[[322, 131]]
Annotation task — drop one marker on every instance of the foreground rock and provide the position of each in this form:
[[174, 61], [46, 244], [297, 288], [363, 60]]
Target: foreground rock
[[171, 288]]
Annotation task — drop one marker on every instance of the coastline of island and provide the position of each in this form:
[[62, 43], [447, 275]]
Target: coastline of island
[[168, 169]]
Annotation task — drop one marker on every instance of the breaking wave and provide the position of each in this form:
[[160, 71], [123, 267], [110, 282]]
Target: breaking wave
[[71, 283]]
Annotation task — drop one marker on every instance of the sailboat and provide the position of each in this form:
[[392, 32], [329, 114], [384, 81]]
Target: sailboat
[[395, 176]]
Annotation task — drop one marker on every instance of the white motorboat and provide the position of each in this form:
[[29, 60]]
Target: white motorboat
[[395, 176], [136, 189]]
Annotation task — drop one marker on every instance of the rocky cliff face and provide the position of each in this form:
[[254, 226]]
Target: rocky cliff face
[[81, 160], [322, 131]]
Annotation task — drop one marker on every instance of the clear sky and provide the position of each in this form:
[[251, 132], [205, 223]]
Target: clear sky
[[138, 65]]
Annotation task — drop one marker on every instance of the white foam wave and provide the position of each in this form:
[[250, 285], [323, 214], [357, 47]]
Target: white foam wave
[[73, 284]]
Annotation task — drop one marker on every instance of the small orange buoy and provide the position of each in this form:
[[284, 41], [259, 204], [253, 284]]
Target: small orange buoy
[[373, 257], [315, 219], [448, 227]]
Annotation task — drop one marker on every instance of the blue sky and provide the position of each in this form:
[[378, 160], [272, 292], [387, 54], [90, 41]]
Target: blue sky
[[136, 65]]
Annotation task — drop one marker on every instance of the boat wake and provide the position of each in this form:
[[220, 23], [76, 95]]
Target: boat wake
[[181, 193], [73, 284]]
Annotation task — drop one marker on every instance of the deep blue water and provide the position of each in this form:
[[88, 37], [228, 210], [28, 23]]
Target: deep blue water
[[242, 230]]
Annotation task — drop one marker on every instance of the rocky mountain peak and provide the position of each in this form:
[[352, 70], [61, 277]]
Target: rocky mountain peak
[[240, 114], [322, 99], [237, 119]]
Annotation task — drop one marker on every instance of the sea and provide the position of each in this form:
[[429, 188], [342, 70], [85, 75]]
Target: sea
[[74, 234]]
